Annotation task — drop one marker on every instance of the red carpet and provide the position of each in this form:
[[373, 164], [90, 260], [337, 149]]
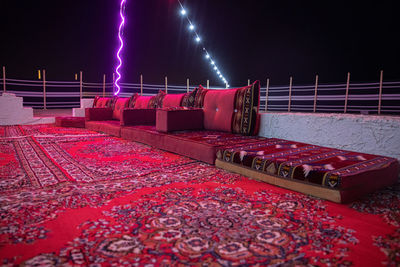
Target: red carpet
[[74, 197]]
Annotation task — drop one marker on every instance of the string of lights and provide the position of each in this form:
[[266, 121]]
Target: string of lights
[[121, 45], [197, 38]]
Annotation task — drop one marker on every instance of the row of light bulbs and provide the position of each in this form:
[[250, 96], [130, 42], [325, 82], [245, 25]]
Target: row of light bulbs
[[192, 28]]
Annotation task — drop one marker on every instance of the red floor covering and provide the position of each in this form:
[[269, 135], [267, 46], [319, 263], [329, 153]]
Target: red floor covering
[[71, 197]]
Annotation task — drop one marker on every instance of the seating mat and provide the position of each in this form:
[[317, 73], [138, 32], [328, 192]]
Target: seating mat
[[330, 168]]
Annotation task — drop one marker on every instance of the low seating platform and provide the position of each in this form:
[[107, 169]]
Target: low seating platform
[[201, 144], [220, 127], [337, 175]]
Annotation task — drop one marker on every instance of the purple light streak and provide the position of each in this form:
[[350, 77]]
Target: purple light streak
[[121, 42]]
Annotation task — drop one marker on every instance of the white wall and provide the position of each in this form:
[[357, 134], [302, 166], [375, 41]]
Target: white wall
[[371, 134]]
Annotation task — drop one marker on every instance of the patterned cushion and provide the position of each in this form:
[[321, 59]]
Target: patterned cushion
[[158, 100], [152, 102], [199, 99], [246, 109], [132, 100], [120, 104], [189, 98], [96, 98], [113, 101], [328, 167], [102, 102]]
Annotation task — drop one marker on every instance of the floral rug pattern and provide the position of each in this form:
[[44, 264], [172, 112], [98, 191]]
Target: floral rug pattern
[[71, 197]]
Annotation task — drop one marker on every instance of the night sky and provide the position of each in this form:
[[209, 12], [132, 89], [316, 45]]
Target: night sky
[[248, 39]]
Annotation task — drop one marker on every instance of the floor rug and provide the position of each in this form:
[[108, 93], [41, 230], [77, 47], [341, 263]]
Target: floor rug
[[72, 197]]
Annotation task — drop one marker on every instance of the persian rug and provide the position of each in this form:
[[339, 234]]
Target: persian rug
[[72, 197]]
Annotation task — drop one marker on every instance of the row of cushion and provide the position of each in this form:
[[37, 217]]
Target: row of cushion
[[157, 101], [229, 110]]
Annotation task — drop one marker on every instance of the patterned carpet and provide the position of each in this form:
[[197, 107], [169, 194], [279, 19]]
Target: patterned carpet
[[71, 197]]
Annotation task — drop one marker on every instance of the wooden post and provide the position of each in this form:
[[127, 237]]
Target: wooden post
[[315, 93], [113, 84], [187, 85], [266, 96], [347, 92], [4, 79], [290, 93], [166, 84], [380, 93], [104, 85], [208, 84], [248, 81], [80, 87], [44, 89], [141, 84]]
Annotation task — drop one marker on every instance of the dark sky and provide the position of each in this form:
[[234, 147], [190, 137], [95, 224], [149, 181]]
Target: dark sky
[[248, 39]]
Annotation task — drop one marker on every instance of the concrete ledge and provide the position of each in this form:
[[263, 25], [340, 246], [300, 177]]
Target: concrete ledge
[[378, 135]]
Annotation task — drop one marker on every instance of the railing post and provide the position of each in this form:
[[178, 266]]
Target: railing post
[[166, 84], [380, 93], [80, 87], [104, 85], [266, 96], [44, 89], [113, 83], [290, 93], [4, 79], [187, 85], [208, 84], [315, 93], [347, 92], [141, 84]]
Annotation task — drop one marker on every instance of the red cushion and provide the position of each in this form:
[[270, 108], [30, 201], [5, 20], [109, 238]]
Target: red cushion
[[170, 119], [172, 100], [98, 114], [219, 109], [78, 122], [138, 116], [142, 101], [120, 104]]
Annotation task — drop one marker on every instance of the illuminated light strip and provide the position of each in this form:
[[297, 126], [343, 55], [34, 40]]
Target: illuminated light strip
[[121, 42], [192, 28]]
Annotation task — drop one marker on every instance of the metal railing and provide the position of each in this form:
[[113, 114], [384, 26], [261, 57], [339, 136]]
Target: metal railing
[[367, 98]]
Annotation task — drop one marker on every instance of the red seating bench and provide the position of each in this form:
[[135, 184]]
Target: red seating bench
[[78, 122]]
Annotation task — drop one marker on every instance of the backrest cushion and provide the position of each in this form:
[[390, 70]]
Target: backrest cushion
[[199, 99], [132, 100], [189, 98], [120, 104], [103, 102], [219, 109], [96, 98], [247, 102], [159, 98], [142, 101], [172, 100]]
